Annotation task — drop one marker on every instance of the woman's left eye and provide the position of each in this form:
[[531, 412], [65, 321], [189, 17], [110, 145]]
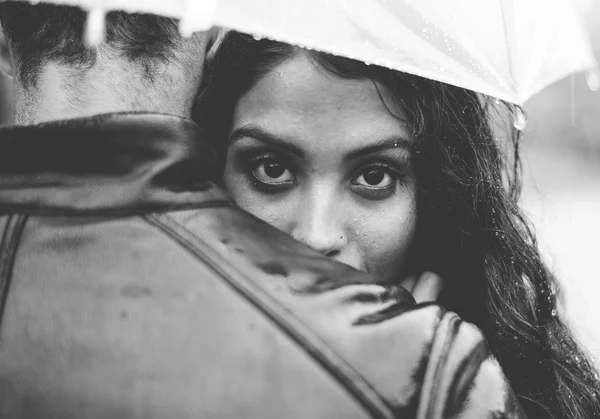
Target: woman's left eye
[[375, 178]]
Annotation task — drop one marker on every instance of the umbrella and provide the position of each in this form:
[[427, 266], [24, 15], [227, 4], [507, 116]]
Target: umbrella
[[507, 49]]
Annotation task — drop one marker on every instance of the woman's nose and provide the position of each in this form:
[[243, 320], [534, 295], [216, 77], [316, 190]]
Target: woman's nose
[[318, 226]]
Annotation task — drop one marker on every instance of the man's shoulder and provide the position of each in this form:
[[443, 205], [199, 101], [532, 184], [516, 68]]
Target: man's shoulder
[[372, 338], [185, 285]]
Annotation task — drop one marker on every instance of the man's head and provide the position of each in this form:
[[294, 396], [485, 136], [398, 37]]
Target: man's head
[[145, 65]]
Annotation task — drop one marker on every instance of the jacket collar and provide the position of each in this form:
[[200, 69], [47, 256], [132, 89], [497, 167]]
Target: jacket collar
[[107, 164]]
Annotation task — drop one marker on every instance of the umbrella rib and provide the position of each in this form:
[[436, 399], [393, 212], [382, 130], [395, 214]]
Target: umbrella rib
[[511, 37]]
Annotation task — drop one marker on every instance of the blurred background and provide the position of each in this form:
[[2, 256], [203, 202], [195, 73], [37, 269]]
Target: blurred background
[[562, 189], [561, 150]]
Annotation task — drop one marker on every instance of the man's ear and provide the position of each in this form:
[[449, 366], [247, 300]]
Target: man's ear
[[6, 64]]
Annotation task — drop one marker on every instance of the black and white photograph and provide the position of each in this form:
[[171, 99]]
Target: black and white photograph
[[300, 209]]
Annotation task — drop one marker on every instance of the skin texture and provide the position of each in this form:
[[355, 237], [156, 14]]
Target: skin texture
[[326, 160]]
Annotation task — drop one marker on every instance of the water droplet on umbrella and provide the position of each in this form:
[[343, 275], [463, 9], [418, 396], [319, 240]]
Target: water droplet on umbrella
[[554, 313], [95, 27], [593, 79], [520, 120], [198, 16]]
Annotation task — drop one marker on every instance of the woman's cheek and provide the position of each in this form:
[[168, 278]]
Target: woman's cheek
[[387, 239], [274, 210]]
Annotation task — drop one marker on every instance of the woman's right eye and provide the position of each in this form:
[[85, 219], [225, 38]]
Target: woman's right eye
[[273, 172]]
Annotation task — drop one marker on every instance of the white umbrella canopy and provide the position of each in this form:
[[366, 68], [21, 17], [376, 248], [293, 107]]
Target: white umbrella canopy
[[507, 49]]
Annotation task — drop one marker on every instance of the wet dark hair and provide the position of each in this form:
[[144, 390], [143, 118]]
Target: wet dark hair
[[470, 229], [43, 32]]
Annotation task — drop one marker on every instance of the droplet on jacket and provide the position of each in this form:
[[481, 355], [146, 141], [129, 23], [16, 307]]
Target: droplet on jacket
[[593, 79], [95, 27], [520, 121]]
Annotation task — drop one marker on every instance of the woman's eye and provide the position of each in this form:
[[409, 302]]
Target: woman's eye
[[272, 171], [376, 178]]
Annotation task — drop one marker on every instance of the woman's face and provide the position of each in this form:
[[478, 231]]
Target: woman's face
[[322, 158]]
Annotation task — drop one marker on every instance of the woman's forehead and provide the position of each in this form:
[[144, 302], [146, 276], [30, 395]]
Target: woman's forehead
[[300, 82], [301, 99]]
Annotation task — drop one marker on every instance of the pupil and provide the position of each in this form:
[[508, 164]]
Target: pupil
[[274, 170], [374, 177]]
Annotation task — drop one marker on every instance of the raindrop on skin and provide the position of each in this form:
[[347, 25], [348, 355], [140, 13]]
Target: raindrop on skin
[[520, 121]]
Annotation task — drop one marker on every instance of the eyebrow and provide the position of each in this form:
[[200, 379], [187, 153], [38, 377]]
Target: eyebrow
[[394, 142], [265, 137]]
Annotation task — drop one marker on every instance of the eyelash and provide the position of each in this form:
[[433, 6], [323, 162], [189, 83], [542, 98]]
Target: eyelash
[[377, 193], [253, 161]]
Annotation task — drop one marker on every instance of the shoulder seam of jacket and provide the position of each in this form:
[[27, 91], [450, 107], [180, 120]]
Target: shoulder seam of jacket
[[8, 250], [338, 368]]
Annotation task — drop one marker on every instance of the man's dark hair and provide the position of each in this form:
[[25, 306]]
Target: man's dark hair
[[43, 32]]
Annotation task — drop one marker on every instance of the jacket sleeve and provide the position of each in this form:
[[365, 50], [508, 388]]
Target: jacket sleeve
[[466, 381]]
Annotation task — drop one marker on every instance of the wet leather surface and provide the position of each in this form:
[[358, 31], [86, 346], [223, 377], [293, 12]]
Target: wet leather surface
[[136, 290]]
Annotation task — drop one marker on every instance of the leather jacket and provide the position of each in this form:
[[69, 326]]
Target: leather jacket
[[131, 287]]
